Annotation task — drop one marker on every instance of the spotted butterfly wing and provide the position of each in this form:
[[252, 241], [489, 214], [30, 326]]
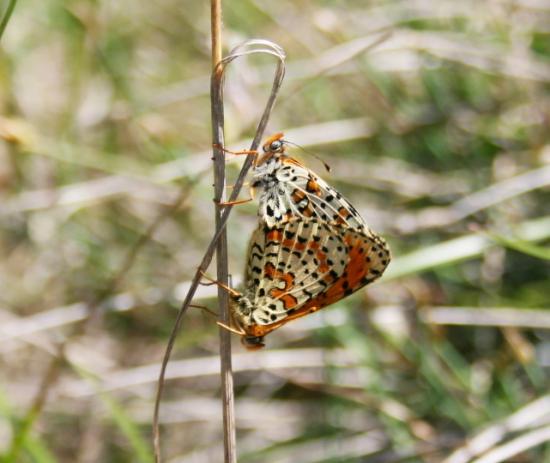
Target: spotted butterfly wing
[[300, 267], [288, 189]]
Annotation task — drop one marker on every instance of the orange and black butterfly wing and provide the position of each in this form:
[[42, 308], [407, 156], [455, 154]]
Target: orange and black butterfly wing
[[291, 265], [294, 191], [368, 257], [307, 265]]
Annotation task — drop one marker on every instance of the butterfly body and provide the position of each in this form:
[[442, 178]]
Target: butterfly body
[[311, 248]]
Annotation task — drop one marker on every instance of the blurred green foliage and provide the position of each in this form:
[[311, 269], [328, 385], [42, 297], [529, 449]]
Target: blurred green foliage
[[439, 136]]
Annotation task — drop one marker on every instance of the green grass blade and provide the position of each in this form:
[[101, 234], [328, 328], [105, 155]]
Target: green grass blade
[[141, 451], [523, 246], [460, 249], [6, 17]]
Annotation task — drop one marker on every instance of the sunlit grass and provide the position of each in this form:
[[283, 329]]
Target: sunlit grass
[[439, 138]]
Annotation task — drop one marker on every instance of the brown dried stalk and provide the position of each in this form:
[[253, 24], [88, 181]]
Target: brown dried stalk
[[226, 371]]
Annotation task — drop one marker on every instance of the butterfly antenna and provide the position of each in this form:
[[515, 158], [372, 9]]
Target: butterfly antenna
[[325, 164]]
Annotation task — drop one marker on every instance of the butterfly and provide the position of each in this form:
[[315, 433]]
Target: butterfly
[[289, 189], [299, 267]]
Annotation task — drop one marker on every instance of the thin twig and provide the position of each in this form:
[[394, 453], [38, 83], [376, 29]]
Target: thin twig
[[247, 48], [217, 114]]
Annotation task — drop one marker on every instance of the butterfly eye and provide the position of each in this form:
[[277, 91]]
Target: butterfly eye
[[276, 145]]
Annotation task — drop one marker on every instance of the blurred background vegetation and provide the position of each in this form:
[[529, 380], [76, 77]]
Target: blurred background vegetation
[[439, 136]]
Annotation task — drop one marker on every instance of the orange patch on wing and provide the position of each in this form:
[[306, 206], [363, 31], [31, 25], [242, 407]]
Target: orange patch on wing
[[274, 235], [313, 245], [344, 212], [289, 301], [293, 244], [308, 211], [270, 270], [287, 279], [298, 195], [323, 266], [356, 269], [313, 187]]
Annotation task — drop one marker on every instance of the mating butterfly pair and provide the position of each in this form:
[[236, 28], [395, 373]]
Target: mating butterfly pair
[[311, 249]]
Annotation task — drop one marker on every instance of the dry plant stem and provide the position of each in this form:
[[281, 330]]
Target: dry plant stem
[[248, 48], [217, 114]]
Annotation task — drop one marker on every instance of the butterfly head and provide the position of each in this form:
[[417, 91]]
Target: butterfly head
[[274, 144], [273, 147], [253, 342], [241, 307]]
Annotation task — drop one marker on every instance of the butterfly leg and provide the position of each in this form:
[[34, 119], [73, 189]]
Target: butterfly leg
[[231, 291], [237, 153], [206, 309], [232, 203], [240, 332], [237, 202]]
